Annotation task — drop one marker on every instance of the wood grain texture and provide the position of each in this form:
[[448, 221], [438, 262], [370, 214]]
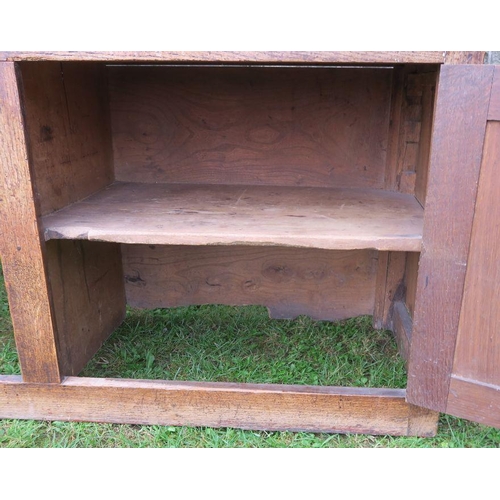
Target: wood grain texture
[[410, 129], [247, 406], [281, 126], [464, 57], [68, 124], [21, 250], [390, 288], [474, 401], [494, 110], [457, 144], [343, 57], [411, 276], [402, 325], [183, 214], [86, 283], [477, 352], [322, 284]]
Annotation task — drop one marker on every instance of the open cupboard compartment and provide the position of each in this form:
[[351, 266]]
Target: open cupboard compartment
[[301, 188]]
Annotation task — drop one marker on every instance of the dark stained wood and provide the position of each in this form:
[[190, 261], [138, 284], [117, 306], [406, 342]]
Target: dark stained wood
[[457, 144], [323, 284], [247, 406], [21, 250], [184, 214], [494, 110], [477, 352], [427, 86], [380, 285], [281, 126], [86, 283], [344, 57], [411, 275], [389, 289], [410, 129], [67, 121], [474, 401], [464, 57], [402, 327]]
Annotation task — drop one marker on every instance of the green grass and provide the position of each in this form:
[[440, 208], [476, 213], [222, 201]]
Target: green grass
[[220, 343]]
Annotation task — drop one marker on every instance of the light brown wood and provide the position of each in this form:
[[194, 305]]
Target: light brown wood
[[472, 400], [182, 214], [21, 251], [464, 57], [344, 57], [494, 109], [402, 327], [457, 145], [477, 352], [260, 126], [86, 283], [248, 406], [322, 284], [67, 121]]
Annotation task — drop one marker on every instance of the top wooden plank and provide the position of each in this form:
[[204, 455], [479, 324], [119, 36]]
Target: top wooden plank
[[227, 57]]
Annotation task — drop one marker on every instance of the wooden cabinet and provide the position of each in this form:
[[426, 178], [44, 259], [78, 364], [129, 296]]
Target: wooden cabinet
[[364, 179]]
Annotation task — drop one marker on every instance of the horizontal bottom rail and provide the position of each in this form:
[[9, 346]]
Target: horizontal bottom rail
[[248, 406]]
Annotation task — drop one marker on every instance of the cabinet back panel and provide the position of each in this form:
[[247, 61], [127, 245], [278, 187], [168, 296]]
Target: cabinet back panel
[[275, 126], [323, 284]]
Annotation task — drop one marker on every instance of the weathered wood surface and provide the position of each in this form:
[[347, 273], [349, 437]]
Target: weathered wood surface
[[494, 110], [86, 282], [474, 401], [458, 136], [322, 284], [465, 57], [346, 57], [247, 406], [411, 277], [67, 121], [182, 214], [21, 250], [281, 126], [477, 351], [402, 326], [390, 287]]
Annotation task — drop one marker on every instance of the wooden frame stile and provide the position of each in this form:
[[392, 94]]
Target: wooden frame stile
[[52, 349]]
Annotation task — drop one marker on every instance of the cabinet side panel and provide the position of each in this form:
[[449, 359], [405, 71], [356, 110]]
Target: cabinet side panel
[[323, 284], [457, 144], [67, 120], [89, 297], [21, 248], [275, 126], [477, 355]]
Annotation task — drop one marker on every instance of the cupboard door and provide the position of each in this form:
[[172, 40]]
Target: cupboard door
[[454, 364]]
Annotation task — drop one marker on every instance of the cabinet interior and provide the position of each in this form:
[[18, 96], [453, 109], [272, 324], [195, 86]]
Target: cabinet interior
[[301, 189]]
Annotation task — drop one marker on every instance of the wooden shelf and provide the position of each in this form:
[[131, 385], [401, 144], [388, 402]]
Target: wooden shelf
[[194, 214]]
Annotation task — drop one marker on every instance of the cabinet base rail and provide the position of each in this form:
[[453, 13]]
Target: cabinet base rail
[[214, 404]]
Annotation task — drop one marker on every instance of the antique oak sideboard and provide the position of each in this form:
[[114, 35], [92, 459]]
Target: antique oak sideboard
[[329, 184]]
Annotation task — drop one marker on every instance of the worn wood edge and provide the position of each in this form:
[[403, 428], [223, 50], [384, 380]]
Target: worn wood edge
[[464, 57], [430, 362], [341, 57], [23, 252], [246, 406], [467, 396], [402, 328]]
